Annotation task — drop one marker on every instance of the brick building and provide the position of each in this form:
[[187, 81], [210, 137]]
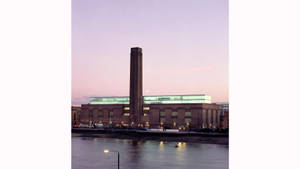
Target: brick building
[[76, 114], [172, 111], [179, 111], [224, 122]]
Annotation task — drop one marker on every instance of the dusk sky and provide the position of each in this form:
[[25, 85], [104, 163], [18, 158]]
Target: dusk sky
[[184, 42]]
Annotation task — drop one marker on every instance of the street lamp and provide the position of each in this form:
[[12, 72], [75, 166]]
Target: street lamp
[[107, 151]]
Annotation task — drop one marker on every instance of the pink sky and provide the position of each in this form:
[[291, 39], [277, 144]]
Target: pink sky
[[185, 47]]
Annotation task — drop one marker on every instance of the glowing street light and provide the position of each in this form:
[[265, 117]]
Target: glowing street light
[[107, 151]]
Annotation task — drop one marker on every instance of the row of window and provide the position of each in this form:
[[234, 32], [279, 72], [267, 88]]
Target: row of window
[[187, 118], [175, 114], [111, 114], [162, 115], [145, 108], [187, 114]]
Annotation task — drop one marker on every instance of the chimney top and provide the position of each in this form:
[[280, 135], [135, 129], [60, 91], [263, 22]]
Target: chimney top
[[136, 49]]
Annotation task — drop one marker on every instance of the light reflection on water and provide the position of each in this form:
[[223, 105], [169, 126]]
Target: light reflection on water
[[87, 153]]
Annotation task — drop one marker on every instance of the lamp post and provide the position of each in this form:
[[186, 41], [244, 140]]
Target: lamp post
[[107, 151]]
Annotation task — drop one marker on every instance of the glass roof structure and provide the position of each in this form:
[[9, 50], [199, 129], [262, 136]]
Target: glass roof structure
[[109, 100], [170, 99]]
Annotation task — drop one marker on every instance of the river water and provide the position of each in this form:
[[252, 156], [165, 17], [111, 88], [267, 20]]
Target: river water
[[87, 153]]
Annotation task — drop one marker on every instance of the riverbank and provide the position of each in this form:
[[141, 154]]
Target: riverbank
[[211, 138]]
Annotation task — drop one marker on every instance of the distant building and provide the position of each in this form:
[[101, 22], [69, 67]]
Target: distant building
[[224, 107], [76, 114], [171, 111]]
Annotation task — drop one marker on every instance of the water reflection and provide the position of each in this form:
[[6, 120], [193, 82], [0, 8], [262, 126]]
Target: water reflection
[[135, 153], [180, 153], [161, 146], [87, 153]]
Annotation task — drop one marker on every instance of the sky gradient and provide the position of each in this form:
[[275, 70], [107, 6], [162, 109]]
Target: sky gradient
[[184, 42]]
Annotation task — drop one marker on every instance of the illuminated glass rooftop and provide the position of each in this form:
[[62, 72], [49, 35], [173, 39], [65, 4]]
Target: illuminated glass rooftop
[[109, 100], [172, 99], [177, 99]]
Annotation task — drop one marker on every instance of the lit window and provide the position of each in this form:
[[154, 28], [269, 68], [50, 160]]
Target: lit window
[[162, 120], [162, 117], [126, 114], [147, 124], [145, 114], [188, 114], [187, 120], [174, 117], [146, 108], [126, 108], [174, 113]]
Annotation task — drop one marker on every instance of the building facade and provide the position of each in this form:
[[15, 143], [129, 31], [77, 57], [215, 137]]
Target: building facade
[[224, 107], [76, 115], [180, 112]]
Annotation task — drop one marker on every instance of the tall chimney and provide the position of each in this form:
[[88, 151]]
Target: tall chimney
[[136, 84]]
